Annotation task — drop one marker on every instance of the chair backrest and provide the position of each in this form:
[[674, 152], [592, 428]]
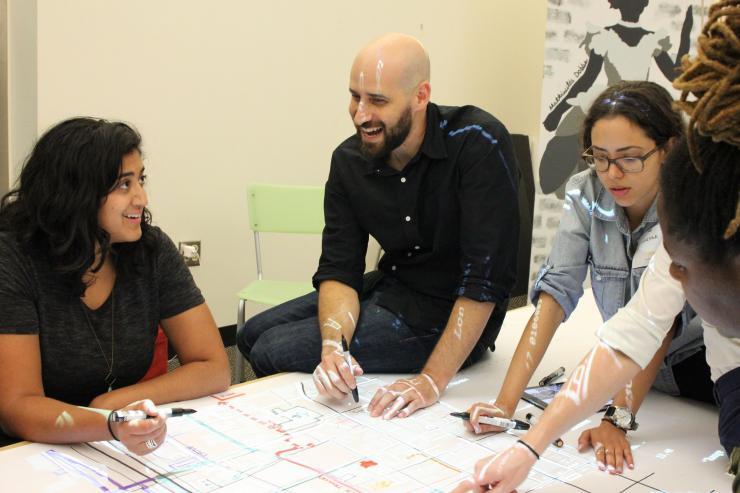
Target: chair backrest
[[285, 208], [526, 213]]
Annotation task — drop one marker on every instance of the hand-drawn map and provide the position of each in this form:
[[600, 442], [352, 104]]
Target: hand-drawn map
[[285, 438]]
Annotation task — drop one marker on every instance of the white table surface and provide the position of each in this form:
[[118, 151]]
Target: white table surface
[[677, 444]]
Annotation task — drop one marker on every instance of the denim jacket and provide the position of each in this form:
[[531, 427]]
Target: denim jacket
[[594, 234]]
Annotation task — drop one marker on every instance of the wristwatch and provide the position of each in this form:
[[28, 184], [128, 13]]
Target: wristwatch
[[621, 417]]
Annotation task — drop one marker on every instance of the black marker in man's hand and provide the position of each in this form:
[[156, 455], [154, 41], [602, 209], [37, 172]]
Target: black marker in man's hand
[[348, 358]]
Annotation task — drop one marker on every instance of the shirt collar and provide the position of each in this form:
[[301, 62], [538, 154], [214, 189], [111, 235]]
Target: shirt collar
[[433, 145]]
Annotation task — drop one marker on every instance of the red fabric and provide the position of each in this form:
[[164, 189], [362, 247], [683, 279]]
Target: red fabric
[[159, 360]]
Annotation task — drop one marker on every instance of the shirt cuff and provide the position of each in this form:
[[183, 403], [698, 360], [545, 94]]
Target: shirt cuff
[[488, 293], [566, 298], [352, 280], [625, 332]]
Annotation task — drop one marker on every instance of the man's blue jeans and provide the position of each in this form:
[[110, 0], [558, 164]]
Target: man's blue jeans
[[287, 338]]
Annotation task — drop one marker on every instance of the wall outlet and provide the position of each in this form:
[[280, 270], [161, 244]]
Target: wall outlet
[[190, 251]]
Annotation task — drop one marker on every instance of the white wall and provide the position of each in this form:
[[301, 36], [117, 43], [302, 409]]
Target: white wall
[[22, 76], [231, 92]]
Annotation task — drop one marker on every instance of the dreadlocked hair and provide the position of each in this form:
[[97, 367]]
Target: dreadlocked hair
[[713, 139]]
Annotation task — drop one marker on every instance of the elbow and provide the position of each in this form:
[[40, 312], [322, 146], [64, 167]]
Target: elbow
[[22, 430], [13, 423], [222, 376], [224, 382]]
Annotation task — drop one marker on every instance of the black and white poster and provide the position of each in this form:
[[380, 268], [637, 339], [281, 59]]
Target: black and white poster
[[590, 44]]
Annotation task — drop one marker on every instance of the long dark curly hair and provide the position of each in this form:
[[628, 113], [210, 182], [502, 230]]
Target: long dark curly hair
[[53, 210]]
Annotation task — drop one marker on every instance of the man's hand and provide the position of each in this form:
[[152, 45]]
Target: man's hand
[[611, 447], [500, 473], [485, 409], [404, 397], [332, 376]]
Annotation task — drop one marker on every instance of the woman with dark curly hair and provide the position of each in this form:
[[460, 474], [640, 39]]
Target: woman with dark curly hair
[[87, 280]]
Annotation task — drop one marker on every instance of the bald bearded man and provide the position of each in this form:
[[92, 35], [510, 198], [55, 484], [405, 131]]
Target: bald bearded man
[[436, 186]]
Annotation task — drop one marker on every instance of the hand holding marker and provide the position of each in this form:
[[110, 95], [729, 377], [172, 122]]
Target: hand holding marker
[[508, 424]]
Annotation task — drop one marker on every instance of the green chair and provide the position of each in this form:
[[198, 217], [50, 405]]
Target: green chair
[[278, 209]]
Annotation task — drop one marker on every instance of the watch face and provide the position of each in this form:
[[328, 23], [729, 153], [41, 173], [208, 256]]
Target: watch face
[[623, 417]]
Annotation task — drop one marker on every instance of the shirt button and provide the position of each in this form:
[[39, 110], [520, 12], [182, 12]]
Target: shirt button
[[393, 267], [408, 219], [403, 179], [598, 278]]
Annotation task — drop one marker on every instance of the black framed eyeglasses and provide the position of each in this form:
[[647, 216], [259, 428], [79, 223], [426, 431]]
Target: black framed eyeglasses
[[626, 164]]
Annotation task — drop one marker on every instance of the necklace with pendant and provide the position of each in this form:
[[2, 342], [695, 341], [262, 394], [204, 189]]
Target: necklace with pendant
[[110, 378]]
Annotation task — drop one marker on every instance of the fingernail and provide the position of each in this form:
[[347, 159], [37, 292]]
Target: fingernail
[[477, 428]]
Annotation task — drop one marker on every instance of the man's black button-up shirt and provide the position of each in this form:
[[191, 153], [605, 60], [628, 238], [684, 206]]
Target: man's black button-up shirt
[[448, 222]]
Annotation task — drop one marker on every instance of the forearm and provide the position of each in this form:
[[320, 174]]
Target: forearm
[[41, 419], [601, 374], [339, 309], [634, 393], [535, 339], [189, 381], [464, 328]]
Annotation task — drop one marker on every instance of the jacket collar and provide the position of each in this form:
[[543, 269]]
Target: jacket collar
[[606, 209]]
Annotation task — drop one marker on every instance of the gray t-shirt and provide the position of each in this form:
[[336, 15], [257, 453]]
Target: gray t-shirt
[[73, 362]]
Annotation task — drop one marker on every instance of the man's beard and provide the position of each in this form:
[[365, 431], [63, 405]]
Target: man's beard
[[394, 137]]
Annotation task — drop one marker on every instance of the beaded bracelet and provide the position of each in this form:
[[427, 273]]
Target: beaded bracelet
[[529, 447], [110, 427]]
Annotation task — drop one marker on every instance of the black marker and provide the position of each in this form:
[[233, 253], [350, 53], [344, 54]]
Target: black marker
[[173, 412], [533, 420], [345, 349], [509, 424], [552, 376]]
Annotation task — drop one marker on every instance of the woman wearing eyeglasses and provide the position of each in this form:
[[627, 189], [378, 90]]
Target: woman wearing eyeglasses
[[610, 225]]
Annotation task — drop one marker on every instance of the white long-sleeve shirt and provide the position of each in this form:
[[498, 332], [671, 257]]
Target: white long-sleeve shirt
[[638, 329]]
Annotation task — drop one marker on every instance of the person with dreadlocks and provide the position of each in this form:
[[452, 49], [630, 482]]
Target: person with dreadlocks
[[699, 261]]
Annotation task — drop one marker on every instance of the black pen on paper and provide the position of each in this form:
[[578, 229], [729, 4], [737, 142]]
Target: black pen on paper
[[345, 349]]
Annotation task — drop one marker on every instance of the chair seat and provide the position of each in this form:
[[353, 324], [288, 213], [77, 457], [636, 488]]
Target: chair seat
[[274, 292]]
